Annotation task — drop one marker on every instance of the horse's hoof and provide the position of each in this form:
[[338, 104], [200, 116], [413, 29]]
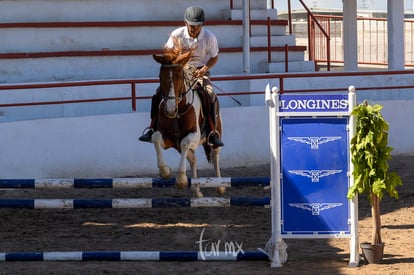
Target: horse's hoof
[[221, 190], [181, 181], [165, 172], [197, 193], [181, 185]]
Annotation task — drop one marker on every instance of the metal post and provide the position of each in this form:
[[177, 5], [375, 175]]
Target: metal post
[[246, 36], [354, 256], [276, 246], [269, 4], [134, 97]]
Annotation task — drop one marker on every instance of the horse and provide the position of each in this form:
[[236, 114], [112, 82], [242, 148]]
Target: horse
[[181, 121]]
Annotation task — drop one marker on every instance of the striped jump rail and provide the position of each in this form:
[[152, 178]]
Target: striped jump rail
[[133, 203], [124, 183], [133, 256]]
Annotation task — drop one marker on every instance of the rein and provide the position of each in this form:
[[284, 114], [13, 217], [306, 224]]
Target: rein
[[181, 95]]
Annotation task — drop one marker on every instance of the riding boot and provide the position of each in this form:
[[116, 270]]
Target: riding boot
[[155, 102], [214, 137], [147, 136]]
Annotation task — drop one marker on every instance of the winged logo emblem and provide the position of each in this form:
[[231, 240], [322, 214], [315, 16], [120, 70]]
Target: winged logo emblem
[[314, 142], [315, 175], [315, 207]]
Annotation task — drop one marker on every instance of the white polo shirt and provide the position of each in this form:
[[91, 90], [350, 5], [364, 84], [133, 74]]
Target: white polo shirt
[[205, 44]]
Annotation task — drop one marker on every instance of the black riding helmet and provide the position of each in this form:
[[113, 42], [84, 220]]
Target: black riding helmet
[[194, 16]]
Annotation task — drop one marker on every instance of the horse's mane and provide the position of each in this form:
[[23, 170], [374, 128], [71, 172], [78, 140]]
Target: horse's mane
[[178, 54]]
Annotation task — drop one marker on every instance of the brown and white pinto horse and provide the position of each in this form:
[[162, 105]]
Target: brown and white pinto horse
[[181, 120]]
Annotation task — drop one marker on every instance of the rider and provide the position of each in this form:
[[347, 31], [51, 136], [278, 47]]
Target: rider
[[194, 35]]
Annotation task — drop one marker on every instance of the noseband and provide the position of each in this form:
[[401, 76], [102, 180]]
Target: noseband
[[182, 93], [170, 67]]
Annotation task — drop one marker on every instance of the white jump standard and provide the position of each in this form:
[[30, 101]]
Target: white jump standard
[[311, 169]]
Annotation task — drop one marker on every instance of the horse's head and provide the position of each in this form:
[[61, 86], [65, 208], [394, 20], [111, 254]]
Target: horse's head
[[172, 78]]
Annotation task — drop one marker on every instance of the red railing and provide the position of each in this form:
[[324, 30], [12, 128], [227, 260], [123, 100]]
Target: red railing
[[325, 44], [315, 27], [372, 40], [134, 82]]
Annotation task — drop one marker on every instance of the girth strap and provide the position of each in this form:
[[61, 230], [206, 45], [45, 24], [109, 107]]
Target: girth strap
[[176, 132]]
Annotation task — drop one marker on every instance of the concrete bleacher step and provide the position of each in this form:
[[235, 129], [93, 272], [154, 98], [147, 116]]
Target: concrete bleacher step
[[254, 4], [278, 37], [275, 29], [280, 40], [98, 10], [294, 54], [237, 14], [76, 40], [293, 66]]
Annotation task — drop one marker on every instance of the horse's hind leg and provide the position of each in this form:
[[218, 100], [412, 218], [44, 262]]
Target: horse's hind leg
[[193, 165], [164, 170]]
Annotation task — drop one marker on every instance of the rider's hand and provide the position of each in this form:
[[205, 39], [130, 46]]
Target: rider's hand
[[201, 72]]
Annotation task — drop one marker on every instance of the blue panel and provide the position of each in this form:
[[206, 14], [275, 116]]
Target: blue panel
[[24, 256], [313, 103], [178, 256], [101, 256], [92, 183], [92, 203], [17, 203], [254, 181], [161, 183], [249, 201], [170, 202], [252, 256], [314, 184], [17, 183]]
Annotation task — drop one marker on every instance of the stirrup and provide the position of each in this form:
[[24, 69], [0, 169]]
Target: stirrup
[[216, 139], [146, 136]]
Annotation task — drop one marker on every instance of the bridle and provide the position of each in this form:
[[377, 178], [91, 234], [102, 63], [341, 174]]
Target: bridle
[[182, 93]]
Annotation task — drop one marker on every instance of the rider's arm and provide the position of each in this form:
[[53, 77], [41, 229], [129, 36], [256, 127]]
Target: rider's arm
[[203, 70]]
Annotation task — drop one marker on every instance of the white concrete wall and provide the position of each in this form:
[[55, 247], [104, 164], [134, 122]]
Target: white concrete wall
[[107, 146], [398, 114]]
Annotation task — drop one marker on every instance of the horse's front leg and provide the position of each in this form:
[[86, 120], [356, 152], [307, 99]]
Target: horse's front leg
[[164, 170], [191, 157], [181, 180], [188, 143], [216, 163]]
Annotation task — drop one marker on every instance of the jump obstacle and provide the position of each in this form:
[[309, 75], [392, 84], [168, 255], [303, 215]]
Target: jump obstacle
[[133, 256], [308, 199], [128, 183], [132, 203], [122, 183]]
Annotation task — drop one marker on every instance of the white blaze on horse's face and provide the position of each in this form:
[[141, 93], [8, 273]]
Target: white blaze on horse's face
[[171, 108]]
